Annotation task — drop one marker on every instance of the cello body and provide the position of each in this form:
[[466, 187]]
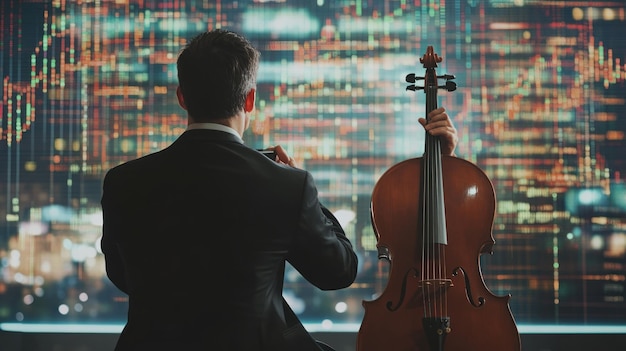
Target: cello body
[[435, 298], [479, 320]]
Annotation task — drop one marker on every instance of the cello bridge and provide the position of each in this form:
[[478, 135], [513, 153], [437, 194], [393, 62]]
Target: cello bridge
[[435, 284]]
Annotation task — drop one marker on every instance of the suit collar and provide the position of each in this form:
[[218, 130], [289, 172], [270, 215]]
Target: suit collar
[[214, 126], [211, 134]]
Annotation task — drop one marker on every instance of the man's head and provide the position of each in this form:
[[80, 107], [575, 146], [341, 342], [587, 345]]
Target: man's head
[[216, 74]]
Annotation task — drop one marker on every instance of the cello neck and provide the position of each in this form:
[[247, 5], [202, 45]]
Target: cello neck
[[434, 220]]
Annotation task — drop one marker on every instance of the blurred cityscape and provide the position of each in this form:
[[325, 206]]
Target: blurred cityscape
[[540, 107]]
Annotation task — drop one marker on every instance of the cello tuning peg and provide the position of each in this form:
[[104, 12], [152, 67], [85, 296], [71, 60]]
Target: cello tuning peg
[[450, 86], [411, 78], [413, 87], [447, 76]]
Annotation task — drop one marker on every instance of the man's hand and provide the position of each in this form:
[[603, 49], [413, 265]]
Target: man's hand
[[439, 124], [282, 156]]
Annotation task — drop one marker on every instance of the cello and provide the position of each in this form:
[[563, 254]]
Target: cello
[[433, 217]]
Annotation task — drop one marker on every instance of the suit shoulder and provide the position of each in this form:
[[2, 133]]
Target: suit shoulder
[[143, 162]]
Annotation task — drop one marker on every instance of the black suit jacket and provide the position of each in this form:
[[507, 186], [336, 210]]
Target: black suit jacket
[[198, 235]]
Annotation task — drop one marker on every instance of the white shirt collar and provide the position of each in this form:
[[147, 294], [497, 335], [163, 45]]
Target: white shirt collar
[[214, 126]]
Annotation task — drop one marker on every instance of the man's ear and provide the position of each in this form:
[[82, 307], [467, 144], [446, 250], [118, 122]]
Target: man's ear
[[181, 99], [249, 105]]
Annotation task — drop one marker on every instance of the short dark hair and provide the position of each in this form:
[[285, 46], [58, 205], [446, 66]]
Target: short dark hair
[[216, 70]]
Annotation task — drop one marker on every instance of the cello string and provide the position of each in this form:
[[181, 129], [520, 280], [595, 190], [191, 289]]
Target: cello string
[[442, 230], [424, 268], [438, 219], [429, 233], [426, 239], [426, 227], [436, 174], [432, 230]]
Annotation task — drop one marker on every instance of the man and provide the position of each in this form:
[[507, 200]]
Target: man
[[198, 233]]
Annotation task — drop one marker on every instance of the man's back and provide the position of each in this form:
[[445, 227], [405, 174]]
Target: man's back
[[198, 235]]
